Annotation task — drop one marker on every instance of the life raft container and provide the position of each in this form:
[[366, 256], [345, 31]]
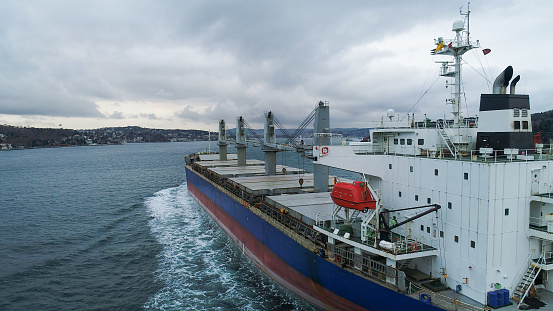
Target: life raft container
[[354, 195]]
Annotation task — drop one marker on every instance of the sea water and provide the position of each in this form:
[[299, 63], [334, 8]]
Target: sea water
[[113, 228]]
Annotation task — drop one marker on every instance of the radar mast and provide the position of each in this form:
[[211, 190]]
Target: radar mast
[[455, 47]]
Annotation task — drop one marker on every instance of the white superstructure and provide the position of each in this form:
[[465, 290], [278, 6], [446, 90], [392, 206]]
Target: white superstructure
[[495, 225]]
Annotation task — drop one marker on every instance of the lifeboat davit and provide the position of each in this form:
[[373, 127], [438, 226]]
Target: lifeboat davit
[[354, 195]]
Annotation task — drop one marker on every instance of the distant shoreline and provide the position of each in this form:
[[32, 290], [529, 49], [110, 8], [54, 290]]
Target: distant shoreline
[[12, 137], [96, 145]]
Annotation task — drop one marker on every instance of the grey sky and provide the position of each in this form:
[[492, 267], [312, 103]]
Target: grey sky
[[187, 64]]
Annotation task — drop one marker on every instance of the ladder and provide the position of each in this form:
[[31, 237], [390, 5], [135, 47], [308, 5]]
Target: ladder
[[406, 263], [528, 279], [452, 148]]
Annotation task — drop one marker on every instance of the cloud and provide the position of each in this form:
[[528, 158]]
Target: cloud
[[163, 93], [198, 62], [131, 116], [150, 116], [116, 115]]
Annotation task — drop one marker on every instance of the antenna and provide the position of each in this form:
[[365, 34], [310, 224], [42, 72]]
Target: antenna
[[455, 48], [467, 14]]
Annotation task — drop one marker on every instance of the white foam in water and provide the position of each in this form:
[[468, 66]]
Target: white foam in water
[[199, 266]]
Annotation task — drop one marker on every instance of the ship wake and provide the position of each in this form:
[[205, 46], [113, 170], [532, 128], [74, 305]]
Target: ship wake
[[200, 266]]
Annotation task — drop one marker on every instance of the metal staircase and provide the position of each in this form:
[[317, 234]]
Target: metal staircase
[[528, 279], [450, 145], [406, 263]]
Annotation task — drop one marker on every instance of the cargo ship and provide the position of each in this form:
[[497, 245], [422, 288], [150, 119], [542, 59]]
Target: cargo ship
[[451, 214]]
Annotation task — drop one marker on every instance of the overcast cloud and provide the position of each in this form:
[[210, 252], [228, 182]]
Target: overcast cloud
[[188, 64]]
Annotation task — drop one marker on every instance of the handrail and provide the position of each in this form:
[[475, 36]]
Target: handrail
[[370, 267], [328, 135], [457, 304], [518, 277], [447, 140], [534, 267], [496, 156]]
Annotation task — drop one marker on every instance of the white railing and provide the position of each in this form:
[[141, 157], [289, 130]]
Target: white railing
[[452, 303], [410, 123], [544, 193], [538, 221], [366, 148], [521, 272], [370, 267], [333, 139], [528, 283], [493, 156]]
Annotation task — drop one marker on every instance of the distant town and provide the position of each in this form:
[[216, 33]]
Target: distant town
[[15, 137], [21, 137]]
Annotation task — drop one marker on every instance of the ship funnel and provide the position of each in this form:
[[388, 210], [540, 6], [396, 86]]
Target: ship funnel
[[501, 82], [513, 84], [504, 120]]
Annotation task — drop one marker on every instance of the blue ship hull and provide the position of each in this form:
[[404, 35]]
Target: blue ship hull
[[299, 269]]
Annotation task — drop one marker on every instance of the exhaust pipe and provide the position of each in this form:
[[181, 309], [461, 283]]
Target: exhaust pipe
[[513, 84], [502, 81]]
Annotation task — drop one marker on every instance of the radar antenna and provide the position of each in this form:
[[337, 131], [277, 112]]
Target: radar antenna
[[456, 48]]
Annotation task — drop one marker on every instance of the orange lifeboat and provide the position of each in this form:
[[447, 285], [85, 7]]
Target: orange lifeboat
[[354, 195]]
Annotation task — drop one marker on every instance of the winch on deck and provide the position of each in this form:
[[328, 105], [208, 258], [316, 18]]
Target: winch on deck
[[354, 195]]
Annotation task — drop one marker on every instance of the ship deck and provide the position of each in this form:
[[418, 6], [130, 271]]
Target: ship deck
[[227, 163], [216, 156], [276, 184], [284, 192], [310, 208], [252, 170]]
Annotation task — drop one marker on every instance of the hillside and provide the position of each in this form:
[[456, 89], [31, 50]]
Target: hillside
[[30, 137], [542, 122]]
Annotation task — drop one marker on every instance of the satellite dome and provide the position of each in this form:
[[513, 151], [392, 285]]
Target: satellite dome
[[458, 25], [390, 113]]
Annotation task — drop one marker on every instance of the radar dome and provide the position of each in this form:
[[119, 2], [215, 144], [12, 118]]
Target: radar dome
[[390, 113], [458, 25]]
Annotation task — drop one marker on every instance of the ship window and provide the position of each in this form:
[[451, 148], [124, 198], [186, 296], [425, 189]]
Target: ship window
[[422, 227], [516, 112], [506, 212], [449, 205], [472, 244], [411, 168], [441, 234], [421, 141], [466, 176], [456, 239], [400, 194], [416, 197], [428, 229], [409, 141], [390, 166], [517, 125], [428, 200], [524, 125], [402, 141], [396, 141], [436, 172]]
